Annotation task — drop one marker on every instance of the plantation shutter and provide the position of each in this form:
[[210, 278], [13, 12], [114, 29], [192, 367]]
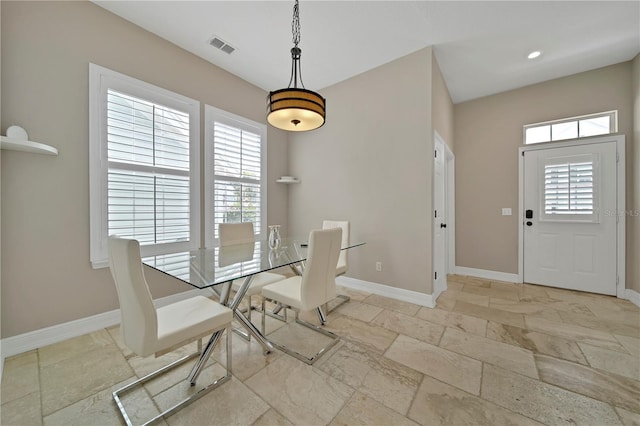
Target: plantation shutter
[[148, 174], [569, 188], [237, 176]]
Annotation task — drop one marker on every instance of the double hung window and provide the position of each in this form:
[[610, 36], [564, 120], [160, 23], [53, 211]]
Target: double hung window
[[235, 159], [144, 165]]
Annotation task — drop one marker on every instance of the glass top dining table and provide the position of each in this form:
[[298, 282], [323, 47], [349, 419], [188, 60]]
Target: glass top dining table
[[217, 267], [203, 268]]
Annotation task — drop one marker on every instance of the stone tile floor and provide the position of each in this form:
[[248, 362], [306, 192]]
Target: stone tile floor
[[490, 353]]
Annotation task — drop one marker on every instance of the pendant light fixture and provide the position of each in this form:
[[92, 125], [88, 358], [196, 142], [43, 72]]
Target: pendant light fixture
[[295, 109]]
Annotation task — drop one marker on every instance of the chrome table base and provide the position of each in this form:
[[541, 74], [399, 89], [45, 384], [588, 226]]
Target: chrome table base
[[224, 299]]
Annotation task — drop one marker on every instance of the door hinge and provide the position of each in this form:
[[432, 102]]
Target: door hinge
[[436, 278], [435, 213], [435, 153]]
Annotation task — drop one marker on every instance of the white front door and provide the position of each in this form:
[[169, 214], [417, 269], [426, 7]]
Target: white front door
[[569, 223], [439, 219]]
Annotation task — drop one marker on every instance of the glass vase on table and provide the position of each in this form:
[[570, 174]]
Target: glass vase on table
[[274, 237]]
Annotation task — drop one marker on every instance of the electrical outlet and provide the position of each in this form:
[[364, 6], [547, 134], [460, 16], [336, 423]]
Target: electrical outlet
[[378, 266]]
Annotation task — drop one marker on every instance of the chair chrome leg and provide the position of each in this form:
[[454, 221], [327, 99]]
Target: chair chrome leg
[[275, 312], [229, 342], [317, 355], [343, 299], [249, 316], [278, 308], [321, 316], [197, 368], [264, 311], [193, 397], [295, 354]]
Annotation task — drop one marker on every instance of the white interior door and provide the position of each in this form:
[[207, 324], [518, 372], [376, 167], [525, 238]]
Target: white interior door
[[569, 225], [439, 220]]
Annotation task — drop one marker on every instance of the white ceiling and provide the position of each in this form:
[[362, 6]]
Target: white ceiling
[[481, 46]]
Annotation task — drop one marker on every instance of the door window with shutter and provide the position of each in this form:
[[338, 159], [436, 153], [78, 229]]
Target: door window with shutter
[[570, 189], [235, 159], [144, 165]]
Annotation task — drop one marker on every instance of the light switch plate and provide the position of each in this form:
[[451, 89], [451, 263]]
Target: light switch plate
[[506, 211]]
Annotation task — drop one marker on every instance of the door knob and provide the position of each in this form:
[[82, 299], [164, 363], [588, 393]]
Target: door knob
[[443, 225], [529, 223]]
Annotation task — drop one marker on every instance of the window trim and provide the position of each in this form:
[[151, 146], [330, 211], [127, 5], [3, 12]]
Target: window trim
[[100, 80], [212, 114], [613, 126]]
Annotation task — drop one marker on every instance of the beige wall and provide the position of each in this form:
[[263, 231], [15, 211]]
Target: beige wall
[[633, 220], [442, 106], [371, 164], [1, 362], [46, 50], [488, 135]]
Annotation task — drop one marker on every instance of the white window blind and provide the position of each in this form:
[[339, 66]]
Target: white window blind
[[568, 188], [148, 177], [235, 168]]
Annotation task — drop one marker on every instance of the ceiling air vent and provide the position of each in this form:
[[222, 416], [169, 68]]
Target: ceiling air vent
[[222, 45]]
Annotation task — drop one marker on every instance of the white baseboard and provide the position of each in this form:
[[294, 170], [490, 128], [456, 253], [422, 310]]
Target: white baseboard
[[57, 333], [632, 296], [486, 274], [401, 294]]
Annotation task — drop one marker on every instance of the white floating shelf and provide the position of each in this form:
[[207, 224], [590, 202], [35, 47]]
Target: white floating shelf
[[17, 139], [15, 144], [288, 181]]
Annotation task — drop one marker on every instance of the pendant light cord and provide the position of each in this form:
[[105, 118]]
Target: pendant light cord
[[295, 24], [296, 67]]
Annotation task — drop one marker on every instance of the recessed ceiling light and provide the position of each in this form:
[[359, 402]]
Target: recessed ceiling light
[[534, 54]]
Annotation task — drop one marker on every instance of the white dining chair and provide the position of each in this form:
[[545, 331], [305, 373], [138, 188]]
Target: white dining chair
[[148, 330], [315, 287], [242, 233], [343, 262]]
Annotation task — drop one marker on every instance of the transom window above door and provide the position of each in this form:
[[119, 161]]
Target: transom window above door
[[602, 123]]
